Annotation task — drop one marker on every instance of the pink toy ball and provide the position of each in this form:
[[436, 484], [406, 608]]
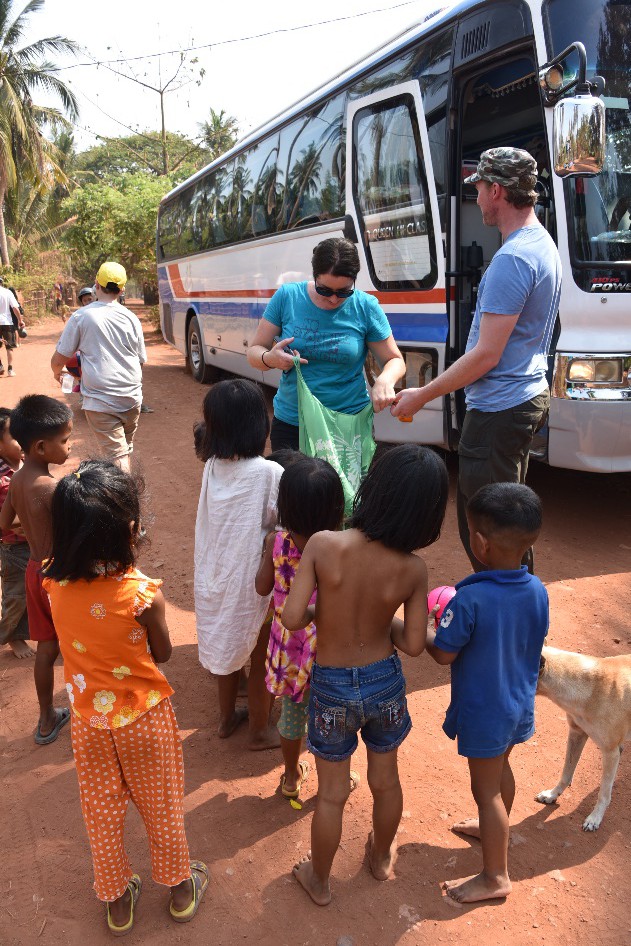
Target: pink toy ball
[[440, 596]]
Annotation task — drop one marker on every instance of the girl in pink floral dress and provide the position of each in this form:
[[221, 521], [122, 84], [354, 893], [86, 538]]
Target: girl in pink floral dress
[[310, 499]]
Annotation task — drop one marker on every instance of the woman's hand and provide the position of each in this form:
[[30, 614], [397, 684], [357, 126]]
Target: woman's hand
[[278, 357], [382, 395]]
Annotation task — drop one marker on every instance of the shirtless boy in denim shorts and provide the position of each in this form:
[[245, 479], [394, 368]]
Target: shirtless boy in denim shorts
[[362, 576]]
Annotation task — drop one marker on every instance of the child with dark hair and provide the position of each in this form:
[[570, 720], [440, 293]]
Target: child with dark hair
[[42, 427], [492, 633], [362, 576], [112, 632], [14, 552], [237, 508], [310, 500]]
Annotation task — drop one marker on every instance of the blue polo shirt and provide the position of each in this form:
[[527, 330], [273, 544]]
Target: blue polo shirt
[[496, 623], [524, 279], [334, 341]]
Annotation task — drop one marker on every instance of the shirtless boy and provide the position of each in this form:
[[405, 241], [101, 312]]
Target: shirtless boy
[[362, 576], [14, 553], [42, 426], [492, 633]]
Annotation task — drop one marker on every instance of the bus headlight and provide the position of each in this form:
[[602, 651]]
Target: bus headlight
[[595, 370]]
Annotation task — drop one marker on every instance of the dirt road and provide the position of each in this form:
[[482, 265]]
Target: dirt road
[[569, 887]]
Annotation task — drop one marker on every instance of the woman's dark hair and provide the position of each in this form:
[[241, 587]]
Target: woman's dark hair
[[236, 422], [92, 513], [310, 497], [337, 257], [504, 507], [403, 498]]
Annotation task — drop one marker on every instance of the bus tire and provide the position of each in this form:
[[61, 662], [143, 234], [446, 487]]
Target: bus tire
[[202, 372]]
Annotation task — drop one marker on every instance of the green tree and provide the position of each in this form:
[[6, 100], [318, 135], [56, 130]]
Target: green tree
[[218, 134], [31, 225], [142, 153], [24, 71], [117, 223]]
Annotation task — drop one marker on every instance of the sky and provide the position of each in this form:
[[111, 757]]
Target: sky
[[250, 79]]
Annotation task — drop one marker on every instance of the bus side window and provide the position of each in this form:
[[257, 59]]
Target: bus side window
[[311, 157]]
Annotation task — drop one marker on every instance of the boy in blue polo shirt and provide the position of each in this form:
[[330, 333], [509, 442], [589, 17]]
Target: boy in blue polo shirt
[[492, 633]]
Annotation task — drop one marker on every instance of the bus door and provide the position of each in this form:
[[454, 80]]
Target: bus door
[[392, 212], [496, 105]]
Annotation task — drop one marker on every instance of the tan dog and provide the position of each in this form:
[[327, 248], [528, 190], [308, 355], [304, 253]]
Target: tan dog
[[595, 692]]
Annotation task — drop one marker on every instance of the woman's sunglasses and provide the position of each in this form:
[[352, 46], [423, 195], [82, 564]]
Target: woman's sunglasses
[[339, 293]]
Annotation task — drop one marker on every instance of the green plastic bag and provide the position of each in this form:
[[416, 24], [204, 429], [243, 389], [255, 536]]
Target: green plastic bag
[[345, 440]]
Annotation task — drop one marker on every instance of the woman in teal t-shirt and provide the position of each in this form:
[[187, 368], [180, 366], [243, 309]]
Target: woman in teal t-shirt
[[331, 326]]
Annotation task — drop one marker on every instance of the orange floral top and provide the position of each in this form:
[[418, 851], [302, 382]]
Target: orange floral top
[[111, 676]]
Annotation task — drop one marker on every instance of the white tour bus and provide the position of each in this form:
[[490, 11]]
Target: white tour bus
[[379, 154]]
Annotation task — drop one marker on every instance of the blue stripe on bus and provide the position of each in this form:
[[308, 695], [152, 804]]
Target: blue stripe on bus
[[419, 326], [406, 326]]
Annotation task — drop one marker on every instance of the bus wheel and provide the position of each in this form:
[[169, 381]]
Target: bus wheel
[[202, 372]]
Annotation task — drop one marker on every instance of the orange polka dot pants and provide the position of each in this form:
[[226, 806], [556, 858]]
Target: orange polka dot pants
[[142, 763]]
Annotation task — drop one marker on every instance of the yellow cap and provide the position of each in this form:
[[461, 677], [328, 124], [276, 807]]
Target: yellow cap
[[111, 273]]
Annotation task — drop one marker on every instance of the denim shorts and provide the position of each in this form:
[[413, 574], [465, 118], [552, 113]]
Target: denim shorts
[[348, 700]]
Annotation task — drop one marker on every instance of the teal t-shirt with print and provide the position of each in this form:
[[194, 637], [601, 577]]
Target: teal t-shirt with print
[[335, 343]]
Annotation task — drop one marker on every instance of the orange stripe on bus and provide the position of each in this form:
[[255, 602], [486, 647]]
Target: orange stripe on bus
[[417, 297]]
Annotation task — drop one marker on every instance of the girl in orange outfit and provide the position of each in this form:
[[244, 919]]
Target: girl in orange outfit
[[110, 619]]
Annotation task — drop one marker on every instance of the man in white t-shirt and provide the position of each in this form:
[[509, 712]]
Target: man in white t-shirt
[[112, 347], [9, 307]]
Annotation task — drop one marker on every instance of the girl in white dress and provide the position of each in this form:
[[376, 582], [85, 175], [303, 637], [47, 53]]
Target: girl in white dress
[[237, 508]]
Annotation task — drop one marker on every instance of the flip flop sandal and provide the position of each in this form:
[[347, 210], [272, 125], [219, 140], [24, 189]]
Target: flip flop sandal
[[134, 886], [355, 779], [201, 879], [303, 765], [62, 716]]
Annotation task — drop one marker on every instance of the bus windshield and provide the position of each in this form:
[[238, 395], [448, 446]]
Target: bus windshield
[[599, 208]]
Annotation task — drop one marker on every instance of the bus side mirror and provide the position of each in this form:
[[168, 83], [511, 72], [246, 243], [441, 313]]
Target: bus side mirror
[[579, 136]]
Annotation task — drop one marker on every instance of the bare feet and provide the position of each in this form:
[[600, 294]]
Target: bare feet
[[468, 826], [227, 727], [303, 872], [268, 738], [480, 887], [21, 649], [381, 865]]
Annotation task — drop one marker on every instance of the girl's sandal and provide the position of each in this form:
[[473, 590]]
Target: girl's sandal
[[134, 886], [200, 879], [303, 767]]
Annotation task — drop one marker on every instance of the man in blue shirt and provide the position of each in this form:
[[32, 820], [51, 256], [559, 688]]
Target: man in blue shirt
[[503, 370]]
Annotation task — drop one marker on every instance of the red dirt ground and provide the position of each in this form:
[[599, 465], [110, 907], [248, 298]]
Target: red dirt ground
[[569, 886]]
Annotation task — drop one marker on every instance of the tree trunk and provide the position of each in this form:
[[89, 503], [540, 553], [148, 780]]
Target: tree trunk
[[4, 249]]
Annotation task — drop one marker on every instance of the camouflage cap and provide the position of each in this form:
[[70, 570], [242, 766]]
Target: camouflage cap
[[510, 167]]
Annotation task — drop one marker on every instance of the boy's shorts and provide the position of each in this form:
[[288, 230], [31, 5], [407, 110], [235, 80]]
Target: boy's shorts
[[293, 717], [348, 700], [14, 558], [7, 334], [40, 618]]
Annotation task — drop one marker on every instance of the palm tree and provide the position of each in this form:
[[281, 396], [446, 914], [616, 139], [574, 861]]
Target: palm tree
[[31, 225], [25, 70], [219, 134]]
